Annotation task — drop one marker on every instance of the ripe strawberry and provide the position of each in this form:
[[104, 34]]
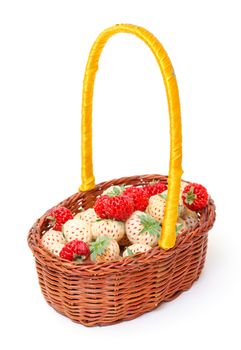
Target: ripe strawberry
[[139, 196], [114, 191], [135, 249], [156, 206], [143, 228], [116, 207], [104, 249], [74, 250], [59, 216], [101, 206], [77, 229], [107, 227], [88, 215], [154, 188], [51, 239], [195, 197]]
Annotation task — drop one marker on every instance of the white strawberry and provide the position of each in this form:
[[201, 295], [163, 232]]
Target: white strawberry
[[191, 219], [114, 190], [136, 248], [142, 228], [88, 215], [104, 249], [77, 229], [57, 249], [51, 239], [181, 206], [110, 228], [156, 206]]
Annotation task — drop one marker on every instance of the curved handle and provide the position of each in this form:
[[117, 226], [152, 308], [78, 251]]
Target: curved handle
[[168, 236]]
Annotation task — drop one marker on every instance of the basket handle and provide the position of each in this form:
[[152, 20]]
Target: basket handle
[[168, 236]]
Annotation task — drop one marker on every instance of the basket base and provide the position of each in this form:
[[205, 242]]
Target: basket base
[[108, 293], [130, 318]]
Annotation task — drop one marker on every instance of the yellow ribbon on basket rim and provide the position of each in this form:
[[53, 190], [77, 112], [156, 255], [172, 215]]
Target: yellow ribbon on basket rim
[[168, 234]]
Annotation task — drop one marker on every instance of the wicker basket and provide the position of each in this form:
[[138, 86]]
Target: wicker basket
[[105, 293]]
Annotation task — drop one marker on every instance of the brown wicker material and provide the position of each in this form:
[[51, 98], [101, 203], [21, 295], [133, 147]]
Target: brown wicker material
[[105, 293]]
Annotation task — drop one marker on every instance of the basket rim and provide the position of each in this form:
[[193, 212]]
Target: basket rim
[[154, 255]]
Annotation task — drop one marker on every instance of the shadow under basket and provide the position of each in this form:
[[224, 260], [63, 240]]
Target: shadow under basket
[[106, 293]]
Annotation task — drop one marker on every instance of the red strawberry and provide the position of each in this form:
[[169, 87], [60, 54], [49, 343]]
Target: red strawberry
[[195, 196], [100, 206], [59, 216], [74, 250], [155, 188], [139, 196], [116, 207]]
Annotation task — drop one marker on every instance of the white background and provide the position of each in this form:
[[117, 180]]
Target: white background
[[44, 46]]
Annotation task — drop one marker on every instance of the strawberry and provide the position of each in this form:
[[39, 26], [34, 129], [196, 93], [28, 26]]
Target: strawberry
[[195, 196], [191, 219], [182, 207], [101, 206], [156, 206], [88, 215], [135, 249], [51, 239], [107, 227], [59, 216], [143, 228], [154, 188], [104, 249], [114, 191], [74, 250], [77, 229], [57, 249], [139, 196], [116, 207]]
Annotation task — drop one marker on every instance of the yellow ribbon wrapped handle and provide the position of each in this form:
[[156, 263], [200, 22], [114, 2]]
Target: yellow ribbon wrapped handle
[[168, 236]]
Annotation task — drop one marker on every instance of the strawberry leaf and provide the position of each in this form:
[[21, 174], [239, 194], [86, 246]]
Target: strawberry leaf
[[190, 196], [116, 191], [99, 246], [150, 225], [63, 234], [129, 252], [178, 229]]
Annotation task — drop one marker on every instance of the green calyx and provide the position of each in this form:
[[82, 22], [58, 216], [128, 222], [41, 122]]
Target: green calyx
[[116, 191], [99, 246], [178, 229], [150, 225], [79, 258], [63, 234], [163, 195], [190, 196], [129, 252], [49, 217]]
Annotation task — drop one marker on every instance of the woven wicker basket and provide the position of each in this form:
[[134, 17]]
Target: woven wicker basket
[[105, 293]]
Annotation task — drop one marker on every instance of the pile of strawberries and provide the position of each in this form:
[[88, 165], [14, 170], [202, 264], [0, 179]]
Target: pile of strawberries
[[124, 221]]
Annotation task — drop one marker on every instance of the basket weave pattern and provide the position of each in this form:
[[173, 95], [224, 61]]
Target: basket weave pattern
[[105, 293]]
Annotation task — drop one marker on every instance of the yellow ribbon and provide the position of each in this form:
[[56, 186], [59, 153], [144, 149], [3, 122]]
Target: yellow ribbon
[[168, 236]]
